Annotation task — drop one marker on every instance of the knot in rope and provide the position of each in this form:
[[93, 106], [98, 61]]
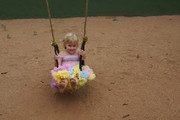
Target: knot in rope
[[53, 43], [85, 38]]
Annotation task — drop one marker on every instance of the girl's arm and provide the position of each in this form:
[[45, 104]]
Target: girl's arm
[[58, 58], [82, 53], [60, 61]]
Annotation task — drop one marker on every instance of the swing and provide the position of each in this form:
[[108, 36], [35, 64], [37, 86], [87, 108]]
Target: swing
[[82, 70]]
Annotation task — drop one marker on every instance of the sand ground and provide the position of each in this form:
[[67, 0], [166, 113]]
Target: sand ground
[[136, 60]]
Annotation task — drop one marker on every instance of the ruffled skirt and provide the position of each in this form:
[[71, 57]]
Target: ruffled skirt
[[70, 70]]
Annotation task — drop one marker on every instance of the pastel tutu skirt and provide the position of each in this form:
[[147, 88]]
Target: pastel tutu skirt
[[70, 70]]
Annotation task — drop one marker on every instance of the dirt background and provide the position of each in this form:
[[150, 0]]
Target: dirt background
[[136, 60]]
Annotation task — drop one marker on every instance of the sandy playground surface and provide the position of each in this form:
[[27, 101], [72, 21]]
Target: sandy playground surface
[[136, 60]]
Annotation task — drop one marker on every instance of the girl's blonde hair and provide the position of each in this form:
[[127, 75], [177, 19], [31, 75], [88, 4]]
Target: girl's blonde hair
[[70, 37]]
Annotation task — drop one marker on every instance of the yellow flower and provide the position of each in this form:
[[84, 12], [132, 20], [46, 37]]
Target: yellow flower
[[58, 76], [92, 77], [82, 81]]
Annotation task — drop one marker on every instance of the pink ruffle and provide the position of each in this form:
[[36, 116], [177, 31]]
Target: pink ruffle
[[63, 67]]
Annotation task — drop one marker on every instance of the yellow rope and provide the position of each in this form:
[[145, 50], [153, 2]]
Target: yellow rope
[[53, 43], [85, 38]]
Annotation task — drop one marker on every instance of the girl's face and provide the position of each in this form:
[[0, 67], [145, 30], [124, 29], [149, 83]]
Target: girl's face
[[71, 47]]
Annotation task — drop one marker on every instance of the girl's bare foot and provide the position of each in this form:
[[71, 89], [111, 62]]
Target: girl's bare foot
[[74, 82], [62, 86]]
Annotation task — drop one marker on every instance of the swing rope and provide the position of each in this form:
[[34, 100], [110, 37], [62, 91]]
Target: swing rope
[[86, 14], [85, 38], [53, 43]]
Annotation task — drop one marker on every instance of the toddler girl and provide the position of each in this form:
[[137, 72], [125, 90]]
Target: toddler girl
[[67, 75]]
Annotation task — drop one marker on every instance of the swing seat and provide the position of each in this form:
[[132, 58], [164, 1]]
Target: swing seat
[[63, 72]]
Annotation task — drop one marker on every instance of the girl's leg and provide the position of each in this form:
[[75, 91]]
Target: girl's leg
[[74, 82], [62, 86]]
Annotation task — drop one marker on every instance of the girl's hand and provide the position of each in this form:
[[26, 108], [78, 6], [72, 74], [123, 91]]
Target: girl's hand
[[82, 53], [59, 60], [55, 57]]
